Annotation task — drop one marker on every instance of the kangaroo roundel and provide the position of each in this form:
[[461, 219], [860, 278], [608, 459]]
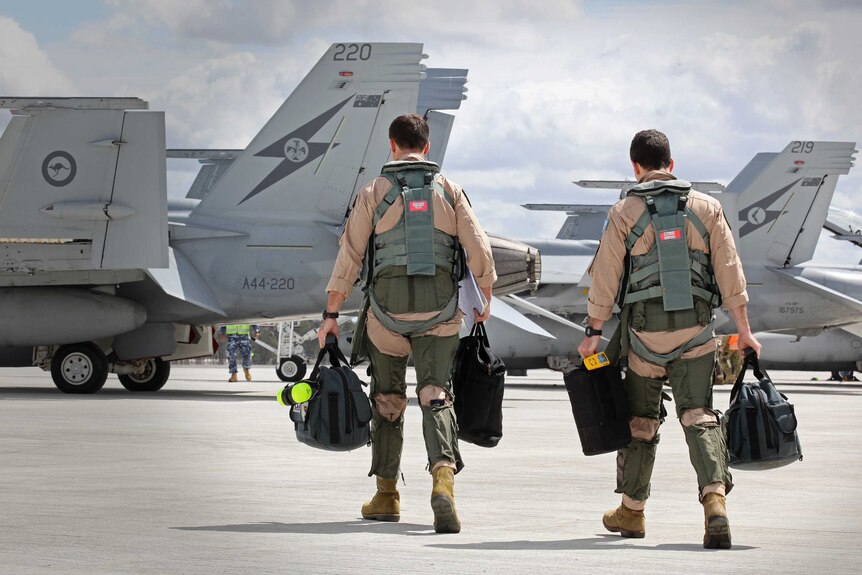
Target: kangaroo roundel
[[59, 168]]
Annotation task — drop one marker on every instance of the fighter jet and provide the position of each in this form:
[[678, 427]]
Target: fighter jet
[[777, 206], [98, 275]]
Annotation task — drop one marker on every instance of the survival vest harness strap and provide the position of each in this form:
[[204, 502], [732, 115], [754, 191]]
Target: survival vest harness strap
[[413, 243]]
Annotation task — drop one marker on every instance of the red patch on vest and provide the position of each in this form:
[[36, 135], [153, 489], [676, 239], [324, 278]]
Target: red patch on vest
[[670, 235], [420, 206]]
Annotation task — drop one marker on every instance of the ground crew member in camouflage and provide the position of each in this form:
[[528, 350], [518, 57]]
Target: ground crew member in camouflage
[[415, 312], [669, 345], [239, 337], [729, 361]]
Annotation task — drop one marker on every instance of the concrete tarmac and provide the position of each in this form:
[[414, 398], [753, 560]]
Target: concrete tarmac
[[207, 477]]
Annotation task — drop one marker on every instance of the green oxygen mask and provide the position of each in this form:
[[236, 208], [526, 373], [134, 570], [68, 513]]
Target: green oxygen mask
[[296, 393]]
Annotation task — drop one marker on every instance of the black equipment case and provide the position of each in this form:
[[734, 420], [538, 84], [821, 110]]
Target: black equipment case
[[478, 388], [600, 408]]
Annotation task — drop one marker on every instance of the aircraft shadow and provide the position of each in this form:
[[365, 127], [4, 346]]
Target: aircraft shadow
[[602, 542], [325, 528], [113, 394]]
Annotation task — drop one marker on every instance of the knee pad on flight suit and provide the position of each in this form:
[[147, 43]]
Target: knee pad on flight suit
[[387, 434], [635, 463], [707, 449], [441, 433]]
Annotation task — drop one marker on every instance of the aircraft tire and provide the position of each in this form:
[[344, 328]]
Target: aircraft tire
[[153, 378], [291, 368], [79, 368]]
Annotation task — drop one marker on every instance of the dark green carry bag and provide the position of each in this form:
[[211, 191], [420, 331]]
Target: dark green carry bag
[[760, 423]]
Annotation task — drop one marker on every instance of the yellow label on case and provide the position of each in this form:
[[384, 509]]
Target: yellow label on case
[[596, 361]]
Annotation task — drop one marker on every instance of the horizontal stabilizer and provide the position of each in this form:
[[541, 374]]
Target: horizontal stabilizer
[[585, 221], [796, 276], [183, 282], [442, 89], [503, 311], [626, 185]]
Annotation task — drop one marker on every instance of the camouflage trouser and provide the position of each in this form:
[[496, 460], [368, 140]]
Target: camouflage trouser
[[691, 383], [241, 343], [433, 358]]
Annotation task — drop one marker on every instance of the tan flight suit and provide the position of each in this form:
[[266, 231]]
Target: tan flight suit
[[690, 376], [433, 350]]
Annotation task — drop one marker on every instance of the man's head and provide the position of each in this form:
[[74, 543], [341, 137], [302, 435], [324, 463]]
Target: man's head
[[408, 134], [650, 151]]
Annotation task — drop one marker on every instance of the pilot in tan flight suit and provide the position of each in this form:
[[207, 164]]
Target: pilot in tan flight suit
[[667, 258], [409, 225]]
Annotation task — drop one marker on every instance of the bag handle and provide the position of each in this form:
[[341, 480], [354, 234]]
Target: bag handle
[[750, 359], [336, 357]]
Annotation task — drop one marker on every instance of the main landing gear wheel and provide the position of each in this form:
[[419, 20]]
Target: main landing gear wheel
[[79, 368], [291, 368], [153, 378]]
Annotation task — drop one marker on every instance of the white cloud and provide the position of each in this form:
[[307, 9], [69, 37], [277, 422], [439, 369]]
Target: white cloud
[[556, 88], [26, 69]]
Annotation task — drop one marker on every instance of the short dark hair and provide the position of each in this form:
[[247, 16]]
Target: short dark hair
[[409, 131], [650, 149]]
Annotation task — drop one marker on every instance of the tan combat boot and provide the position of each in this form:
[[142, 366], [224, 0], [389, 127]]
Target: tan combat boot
[[232, 378], [247, 374], [627, 522], [443, 501], [386, 503], [716, 526]]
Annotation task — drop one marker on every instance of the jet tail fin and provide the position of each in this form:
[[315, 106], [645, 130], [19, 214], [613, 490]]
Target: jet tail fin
[[585, 221], [83, 185], [308, 160], [781, 200]]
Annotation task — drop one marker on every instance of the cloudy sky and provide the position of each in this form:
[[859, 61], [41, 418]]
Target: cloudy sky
[[557, 89]]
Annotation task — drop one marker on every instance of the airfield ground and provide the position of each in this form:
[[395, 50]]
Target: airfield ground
[[206, 477]]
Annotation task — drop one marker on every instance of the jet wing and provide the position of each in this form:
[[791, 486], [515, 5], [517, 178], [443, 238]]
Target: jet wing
[[795, 275]]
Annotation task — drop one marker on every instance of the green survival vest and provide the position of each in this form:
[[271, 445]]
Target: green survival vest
[[670, 287], [413, 267]]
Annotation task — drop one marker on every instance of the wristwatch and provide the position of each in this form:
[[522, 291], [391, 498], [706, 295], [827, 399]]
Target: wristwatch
[[591, 332], [330, 314]]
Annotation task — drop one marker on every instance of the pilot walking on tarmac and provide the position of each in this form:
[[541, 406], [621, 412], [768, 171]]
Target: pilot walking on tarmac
[[668, 253], [239, 337], [408, 224]]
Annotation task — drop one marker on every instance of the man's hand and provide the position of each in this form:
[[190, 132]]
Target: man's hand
[[748, 340], [479, 317], [589, 346], [330, 326]]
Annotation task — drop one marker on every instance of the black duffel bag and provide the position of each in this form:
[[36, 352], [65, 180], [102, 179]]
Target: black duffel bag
[[337, 416], [760, 424], [600, 407], [478, 388]]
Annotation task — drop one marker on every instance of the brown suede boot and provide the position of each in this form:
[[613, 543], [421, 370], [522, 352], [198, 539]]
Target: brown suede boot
[[247, 374], [443, 501], [232, 377], [716, 526], [627, 522], [386, 503]]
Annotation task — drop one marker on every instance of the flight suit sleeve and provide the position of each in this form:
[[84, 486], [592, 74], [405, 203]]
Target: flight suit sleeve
[[725, 262], [606, 270], [480, 259], [353, 244]]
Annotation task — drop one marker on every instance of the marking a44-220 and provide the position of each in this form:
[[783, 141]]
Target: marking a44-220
[[270, 283]]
